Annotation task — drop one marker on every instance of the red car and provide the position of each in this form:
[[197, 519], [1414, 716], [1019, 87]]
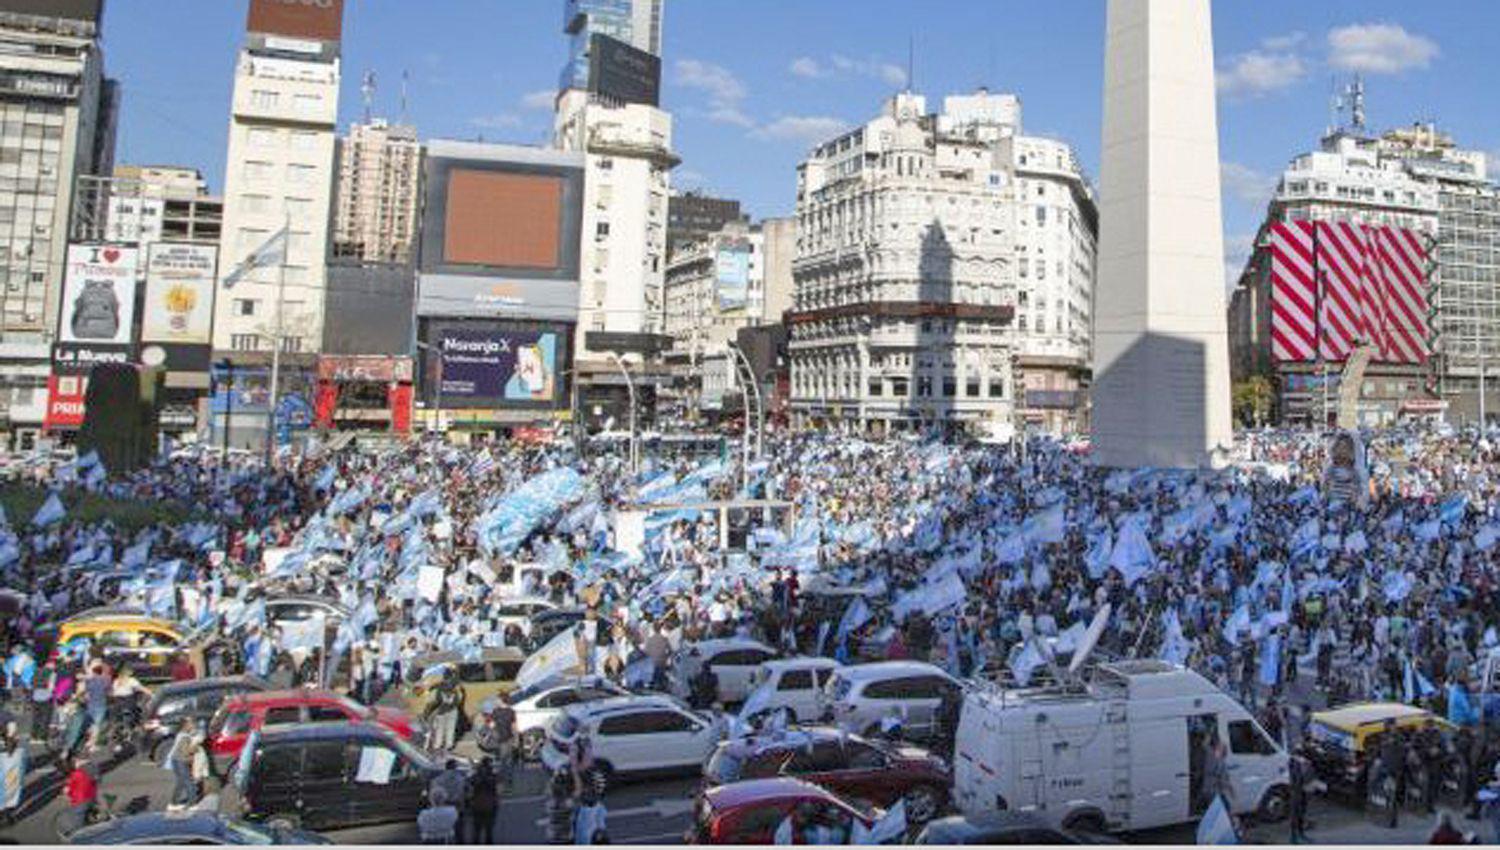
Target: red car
[[239, 717], [852, 767], [749, 812]]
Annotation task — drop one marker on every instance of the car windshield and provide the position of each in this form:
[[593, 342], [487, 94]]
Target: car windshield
[[355, 708], [1329, 735]]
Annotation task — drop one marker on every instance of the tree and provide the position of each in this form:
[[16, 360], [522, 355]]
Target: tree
[[1253, 401]]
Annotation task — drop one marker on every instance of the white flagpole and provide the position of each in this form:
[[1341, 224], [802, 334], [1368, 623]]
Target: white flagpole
[[276, 338]]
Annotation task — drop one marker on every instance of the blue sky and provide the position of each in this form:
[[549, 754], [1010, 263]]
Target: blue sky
[[753, 83]]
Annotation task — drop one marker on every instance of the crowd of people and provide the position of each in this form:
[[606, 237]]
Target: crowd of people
[[1277, 578]]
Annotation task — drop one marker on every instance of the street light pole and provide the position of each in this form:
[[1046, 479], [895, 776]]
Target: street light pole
[[760, 402], [277, 340], [228, 409], [635, 458]]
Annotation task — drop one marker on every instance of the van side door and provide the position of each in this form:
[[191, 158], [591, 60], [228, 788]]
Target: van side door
[[1255, 761], [1156, 761]]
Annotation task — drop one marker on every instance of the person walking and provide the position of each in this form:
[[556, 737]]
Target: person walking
[[484, 801], [438, 823], [14, 757], [442, 711], [185, 747]]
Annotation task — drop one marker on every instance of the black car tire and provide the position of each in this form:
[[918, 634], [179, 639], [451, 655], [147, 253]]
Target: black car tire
[[1085, 823], [1276, 805], [923, 803]]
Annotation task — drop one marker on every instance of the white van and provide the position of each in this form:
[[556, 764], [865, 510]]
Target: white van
[[1124, 751]]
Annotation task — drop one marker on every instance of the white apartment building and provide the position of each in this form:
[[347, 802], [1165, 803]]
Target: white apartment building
[[624, 252], [907, 277], [1468, 254], [379, 172], [715, 285], [57, 122], [280, 172]]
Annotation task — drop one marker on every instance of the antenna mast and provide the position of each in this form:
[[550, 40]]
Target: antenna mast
[[367, 90]]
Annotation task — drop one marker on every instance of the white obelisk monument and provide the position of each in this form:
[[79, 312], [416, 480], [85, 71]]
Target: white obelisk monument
[[1161, 349]]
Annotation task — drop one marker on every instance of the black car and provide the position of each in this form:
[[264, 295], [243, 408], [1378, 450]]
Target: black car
[[1003, 828], [189, 827], [197, 698], [331, 776], [549, 624]]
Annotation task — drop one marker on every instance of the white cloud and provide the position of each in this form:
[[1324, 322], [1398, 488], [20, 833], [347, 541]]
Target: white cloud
[[501, 121], [1282, 43], [1238, 248], [1260, 72], [806, 66], [808, 129], [719, 83], [688, 178], [730, 115], [540, 101], [1246, 184], [1379, 49]]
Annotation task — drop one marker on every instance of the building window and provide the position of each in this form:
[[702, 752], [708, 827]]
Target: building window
[[899, 387], [876, 388], [997, 389], [244, 342], [601, 230], [257, 172], [950, 387], [924, 387], [306, 104], [262, 99], [244, 307], [971, 388]]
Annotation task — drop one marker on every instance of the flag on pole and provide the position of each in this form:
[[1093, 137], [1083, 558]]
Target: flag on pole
[[1217, 826], [271, 253]]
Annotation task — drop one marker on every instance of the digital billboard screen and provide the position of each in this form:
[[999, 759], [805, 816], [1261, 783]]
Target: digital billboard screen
[[319, 20], [503, 220], [620, 72], [486, 365], [733, 271], [179, 306]]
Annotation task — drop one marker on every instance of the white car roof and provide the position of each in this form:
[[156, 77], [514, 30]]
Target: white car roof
[[800, 663], [634, 702], [716, 645], [890, 669]]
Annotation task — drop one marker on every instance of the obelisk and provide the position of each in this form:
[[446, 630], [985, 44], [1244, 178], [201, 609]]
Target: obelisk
[[1161, 348]]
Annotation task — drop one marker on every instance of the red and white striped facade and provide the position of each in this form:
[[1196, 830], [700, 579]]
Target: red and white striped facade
[[1337, 284]]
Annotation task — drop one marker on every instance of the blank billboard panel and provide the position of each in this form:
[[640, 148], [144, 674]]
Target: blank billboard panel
[[505, 220]]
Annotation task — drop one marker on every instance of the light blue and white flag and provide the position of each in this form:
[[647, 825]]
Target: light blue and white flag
[[1217, 825], [50, 513]]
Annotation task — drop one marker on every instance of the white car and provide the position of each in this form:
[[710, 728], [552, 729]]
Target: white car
[[632, 736], [858, 697], [734, 661], [793, 684], [537, 706]]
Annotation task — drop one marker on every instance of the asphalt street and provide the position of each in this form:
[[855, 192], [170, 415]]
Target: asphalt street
[[651, 812]]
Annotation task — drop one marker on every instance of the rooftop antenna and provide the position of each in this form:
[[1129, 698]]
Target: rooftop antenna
[[367, 90], [911, 63], [405, 77], [1357, 103], [1335, 107]]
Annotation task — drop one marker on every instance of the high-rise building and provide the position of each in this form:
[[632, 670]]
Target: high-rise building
[[908, 270], [628, 146], [279, 175], [379, 171], [1468, 264], [1351, 180], [635, 22], [781, 251], [59, 114]]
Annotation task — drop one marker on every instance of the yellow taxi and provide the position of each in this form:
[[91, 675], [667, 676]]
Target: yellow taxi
[[1342, 742], [492, 675], [147, 645]]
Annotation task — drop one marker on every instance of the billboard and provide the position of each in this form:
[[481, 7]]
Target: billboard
[[76, 10], [179, 306], [319, 20], [503, 220], [96, 322], [65, 402], [733, 275], [501, 236], [492, 365], [620, 72]]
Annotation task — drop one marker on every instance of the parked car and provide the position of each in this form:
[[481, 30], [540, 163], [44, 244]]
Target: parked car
[[792, 684], [539, 705], [147, 645], [857, 697], [199, 699], [189, 827], [331, 776], [1343, 742], [733, 660], [297, 608], [547, 625], [633, 736], [848, 765], [489, 678], [520, 610], [239, 717], [1003, 828], [749, 812]]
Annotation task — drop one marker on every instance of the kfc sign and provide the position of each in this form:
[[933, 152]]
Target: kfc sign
[[320, 20]]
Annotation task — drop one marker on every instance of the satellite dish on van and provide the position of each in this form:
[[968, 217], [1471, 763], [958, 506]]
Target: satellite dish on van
[[1090, 639]]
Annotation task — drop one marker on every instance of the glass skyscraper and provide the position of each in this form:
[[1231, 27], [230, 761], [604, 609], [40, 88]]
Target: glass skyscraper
[[635, 22]]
